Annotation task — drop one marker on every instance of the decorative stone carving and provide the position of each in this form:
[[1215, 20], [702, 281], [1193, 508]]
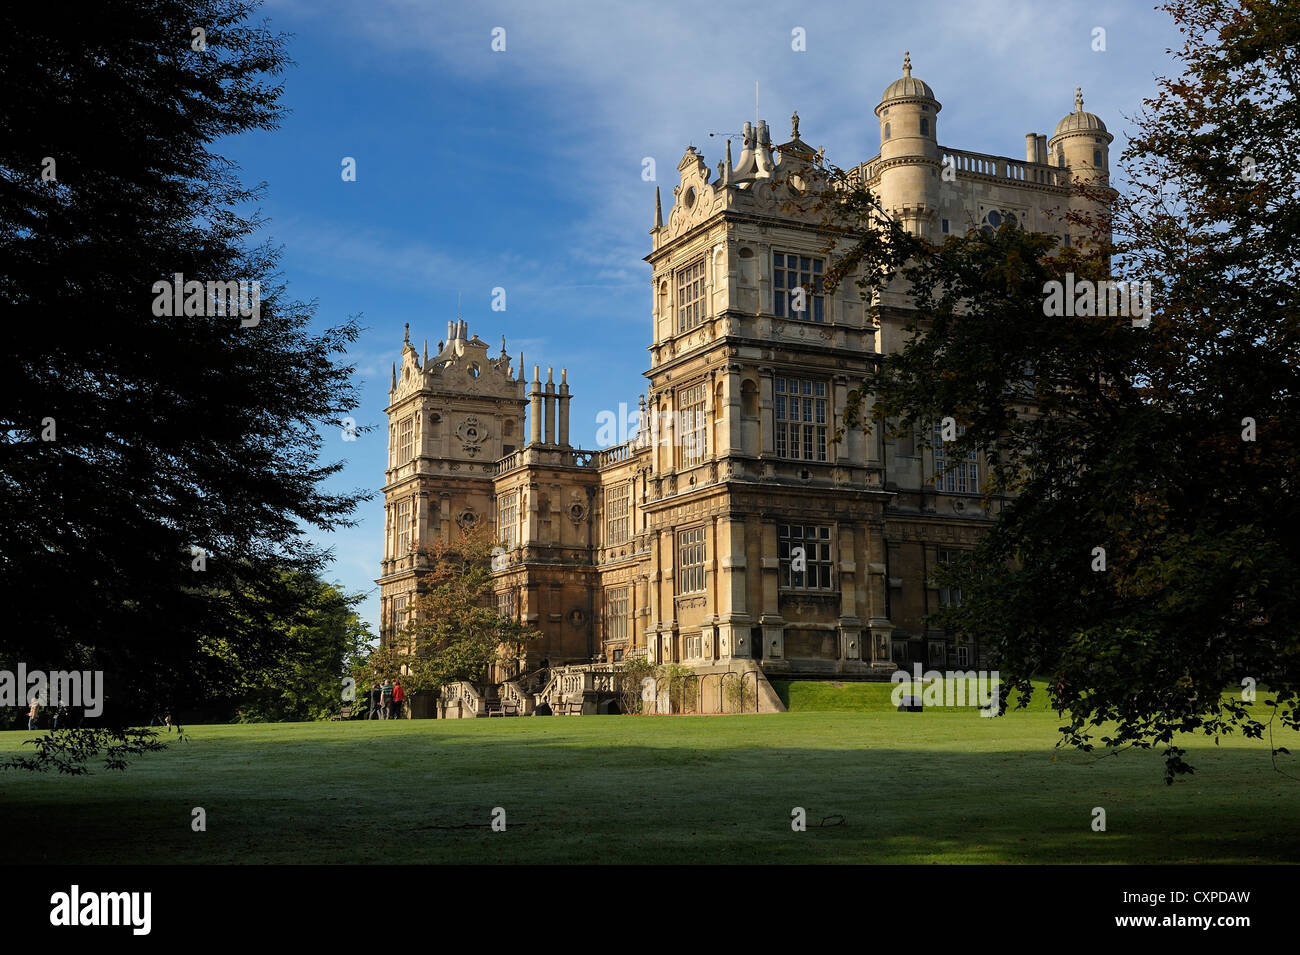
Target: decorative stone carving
[[472, 433]]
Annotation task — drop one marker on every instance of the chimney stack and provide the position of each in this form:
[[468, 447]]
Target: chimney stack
[[550, 407], [535, 409], [564, 408]]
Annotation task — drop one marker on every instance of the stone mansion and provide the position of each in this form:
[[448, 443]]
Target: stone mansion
[[740, 531]]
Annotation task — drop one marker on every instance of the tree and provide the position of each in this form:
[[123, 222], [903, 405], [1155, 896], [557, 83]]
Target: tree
[[1144, 558], [316, 647], [455, 632], [157, 467]]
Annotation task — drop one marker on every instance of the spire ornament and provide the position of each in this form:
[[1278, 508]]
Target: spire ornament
[[907, 63], [794, 125], [1078, 99]]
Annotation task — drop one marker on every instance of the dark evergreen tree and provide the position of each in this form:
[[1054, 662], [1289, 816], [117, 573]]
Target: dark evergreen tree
[[129, 437]]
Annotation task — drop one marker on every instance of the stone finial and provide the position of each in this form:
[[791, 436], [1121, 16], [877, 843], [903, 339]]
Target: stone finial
[[1078, 99], [406, 339], [503, 345], [659, 210], [907, 63], [794, 125], [394, 386]]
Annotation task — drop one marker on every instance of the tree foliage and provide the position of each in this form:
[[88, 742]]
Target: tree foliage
[[1136, 440], [317, 646], [127, 439], [455, 632]]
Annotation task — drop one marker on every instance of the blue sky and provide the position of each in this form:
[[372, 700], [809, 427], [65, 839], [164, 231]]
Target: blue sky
[[522, 168]]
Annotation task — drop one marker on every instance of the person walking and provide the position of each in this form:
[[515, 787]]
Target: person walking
[[398, 696], [33, 712], [374, 702], [385, 699]]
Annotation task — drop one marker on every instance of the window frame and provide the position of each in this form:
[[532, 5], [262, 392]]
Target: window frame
[[809, 434], [617, 607], [820, 565], [689, 281], [964, 476], [402, 516], [405, 440], [618, 513], [807, 277], [511, 609], [508, 519], [948, 596], [690, 573], [693, 424]]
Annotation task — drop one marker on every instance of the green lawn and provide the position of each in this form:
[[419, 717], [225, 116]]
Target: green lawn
[[938, 786]]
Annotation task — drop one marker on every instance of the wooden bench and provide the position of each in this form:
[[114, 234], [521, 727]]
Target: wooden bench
[[573, 708], [344, 714], [500, 708]]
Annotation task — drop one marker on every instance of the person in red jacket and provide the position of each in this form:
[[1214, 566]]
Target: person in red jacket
[[398, 696]]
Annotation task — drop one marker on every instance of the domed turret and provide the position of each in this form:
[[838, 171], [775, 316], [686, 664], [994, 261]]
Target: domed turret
[[907, 86], [909, 150], [1081, 144]]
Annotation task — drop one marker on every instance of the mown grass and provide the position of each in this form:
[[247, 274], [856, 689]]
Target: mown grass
[[941, 786]]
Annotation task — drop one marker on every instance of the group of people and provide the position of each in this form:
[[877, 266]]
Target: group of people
[[34, 714], [386, 701]]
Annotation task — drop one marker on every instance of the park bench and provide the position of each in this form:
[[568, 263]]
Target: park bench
[[343, 714], [573, 708]]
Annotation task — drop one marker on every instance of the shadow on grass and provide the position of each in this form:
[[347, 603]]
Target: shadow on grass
[[629, 790]]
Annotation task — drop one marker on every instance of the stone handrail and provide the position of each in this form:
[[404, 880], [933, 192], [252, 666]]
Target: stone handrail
[[573, 681], [980, 164], [510, 462], [1008, 170], [511, 693], [463, 693], [620, 452]]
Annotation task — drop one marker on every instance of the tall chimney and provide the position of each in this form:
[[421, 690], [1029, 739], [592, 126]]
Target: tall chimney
[[1031, 147], [1042, 148], [550, 407], [535, 409], [564, 407]]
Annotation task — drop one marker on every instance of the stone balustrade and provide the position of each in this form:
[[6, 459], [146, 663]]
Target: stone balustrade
[[970, 164]]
